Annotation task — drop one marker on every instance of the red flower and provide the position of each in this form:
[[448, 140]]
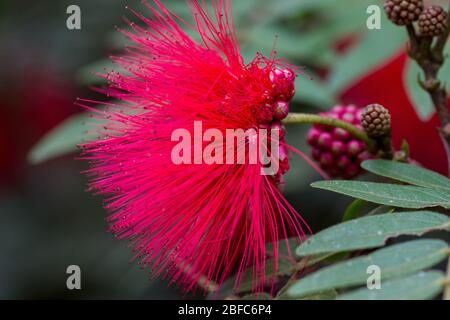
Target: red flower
[[192, 222], [385, 86]]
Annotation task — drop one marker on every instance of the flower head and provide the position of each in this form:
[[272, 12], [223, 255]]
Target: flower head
[[198, 219]]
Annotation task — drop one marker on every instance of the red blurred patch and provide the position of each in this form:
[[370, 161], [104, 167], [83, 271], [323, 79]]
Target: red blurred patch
[[385, 86], [30, 106]]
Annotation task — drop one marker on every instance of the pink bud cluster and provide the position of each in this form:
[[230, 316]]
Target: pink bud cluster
[[283, 90], [277, 98], [337, 152], [276, 108]]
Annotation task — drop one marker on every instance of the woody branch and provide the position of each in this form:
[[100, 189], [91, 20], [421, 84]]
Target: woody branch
[[430, 57]]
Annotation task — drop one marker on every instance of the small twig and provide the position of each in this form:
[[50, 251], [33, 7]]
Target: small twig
[[298, 118], [203, 282], [413, 41], [431, 59], [384, 147]]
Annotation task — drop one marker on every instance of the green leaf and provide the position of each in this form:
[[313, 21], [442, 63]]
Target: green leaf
[[381, 210], [388, 194], [354, 210], [86, 75], [297, 39], [421, 286], [313, 92], [408, 173], [367, 55], [421, 99], [286, 248], [64, 138], [282, 8], [397, 260], [372, 232], [310, 47], [326, 295], [285, 266], [262, 296], [241, 10]]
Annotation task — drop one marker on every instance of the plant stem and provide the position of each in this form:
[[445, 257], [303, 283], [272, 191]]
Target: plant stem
[[431, 59], [304, 118]]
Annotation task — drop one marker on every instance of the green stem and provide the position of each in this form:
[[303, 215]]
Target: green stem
[[305, 118]]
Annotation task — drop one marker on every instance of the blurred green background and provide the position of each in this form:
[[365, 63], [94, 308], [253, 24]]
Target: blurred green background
[[47, 219]]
